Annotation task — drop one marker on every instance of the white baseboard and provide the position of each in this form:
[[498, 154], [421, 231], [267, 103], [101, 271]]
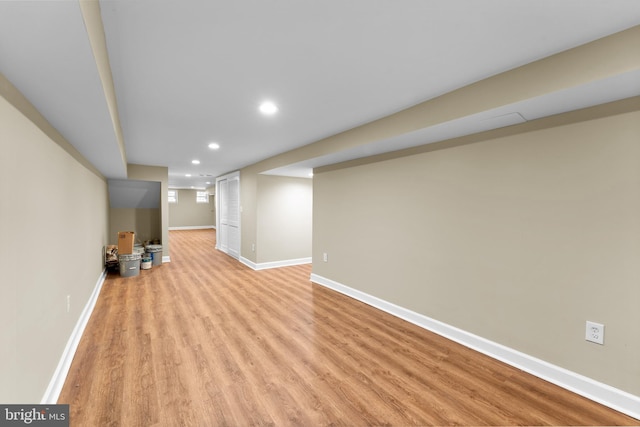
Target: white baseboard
[[602, 393], [193, 227], [52, 392], [274, 264]]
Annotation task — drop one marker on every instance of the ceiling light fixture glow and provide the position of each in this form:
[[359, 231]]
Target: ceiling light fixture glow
[[188, 175], [195, 162], [268, 108], [214, 145]]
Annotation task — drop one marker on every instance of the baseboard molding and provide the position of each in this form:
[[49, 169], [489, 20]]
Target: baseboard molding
[[602, 393], [193, 227], [274, 264], [52, 392]]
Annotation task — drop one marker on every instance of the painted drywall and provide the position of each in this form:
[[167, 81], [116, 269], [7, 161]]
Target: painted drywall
[[518, 238], [54, 227], [284, 218], [129, 193], [188, 213], [600, 59], [248, 212], [143, 221], [157, 174], [92, 17]]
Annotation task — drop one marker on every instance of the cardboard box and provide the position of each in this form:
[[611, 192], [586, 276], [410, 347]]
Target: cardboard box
[[125, 242]]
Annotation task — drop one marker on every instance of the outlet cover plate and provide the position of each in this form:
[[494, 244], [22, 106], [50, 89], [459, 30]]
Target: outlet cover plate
[[595, 332]]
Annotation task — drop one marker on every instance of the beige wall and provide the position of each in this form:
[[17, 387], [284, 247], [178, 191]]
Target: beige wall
[[284, 218], [188, 213], [248, 213], [275, 217], [519, 238], [54, 225], [595, 61], [144, 222], [156, 174]]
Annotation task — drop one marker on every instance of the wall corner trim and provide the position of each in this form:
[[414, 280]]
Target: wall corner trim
[[52, 392], [604, 394], [274, 264]]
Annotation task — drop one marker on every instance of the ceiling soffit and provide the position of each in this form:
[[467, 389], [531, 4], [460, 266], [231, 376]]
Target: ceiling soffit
[[602, 71]]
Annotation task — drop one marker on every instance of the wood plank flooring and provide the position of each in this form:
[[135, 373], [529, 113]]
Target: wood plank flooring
[[206, 341]]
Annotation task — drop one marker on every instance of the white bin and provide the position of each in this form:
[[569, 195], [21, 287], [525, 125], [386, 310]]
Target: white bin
[[155, 252]]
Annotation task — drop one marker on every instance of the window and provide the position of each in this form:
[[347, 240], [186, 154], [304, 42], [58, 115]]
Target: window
[[173, 196], [202, 197]]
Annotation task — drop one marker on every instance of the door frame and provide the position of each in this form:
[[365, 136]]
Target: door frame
[[233, 176]]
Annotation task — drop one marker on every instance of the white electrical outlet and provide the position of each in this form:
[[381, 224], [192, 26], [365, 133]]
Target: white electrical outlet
[[68, 303], [595, 332], [253, 247], [325, 257]]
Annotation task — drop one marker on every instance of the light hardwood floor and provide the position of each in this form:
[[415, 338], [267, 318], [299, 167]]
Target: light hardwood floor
[[206, 341]]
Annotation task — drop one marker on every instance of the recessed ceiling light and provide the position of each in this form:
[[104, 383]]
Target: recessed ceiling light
[[195, 162], [268, 108], [214, 145], [188, 175], [207, 183], [193, 186]]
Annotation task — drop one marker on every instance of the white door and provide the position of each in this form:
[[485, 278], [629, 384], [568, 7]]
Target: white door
[[222, 234], [228, 213], [233, 214]]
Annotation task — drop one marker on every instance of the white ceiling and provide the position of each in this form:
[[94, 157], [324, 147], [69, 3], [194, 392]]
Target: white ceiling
[[134, 194], [188, 72], [45, 53]]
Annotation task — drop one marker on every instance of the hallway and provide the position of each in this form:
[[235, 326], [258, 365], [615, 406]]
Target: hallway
[[206, 341]]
